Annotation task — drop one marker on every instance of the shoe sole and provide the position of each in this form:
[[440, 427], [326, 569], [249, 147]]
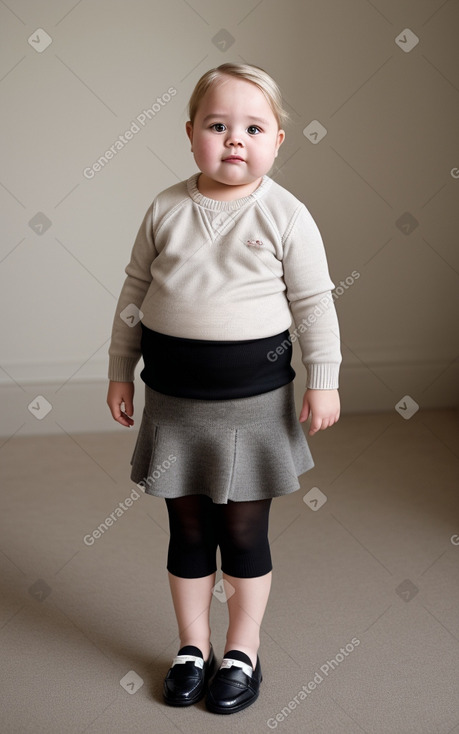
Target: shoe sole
[[184, 703]]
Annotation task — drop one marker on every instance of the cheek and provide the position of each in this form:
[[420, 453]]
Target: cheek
[[205, 148], [263, 153], [271, 149]]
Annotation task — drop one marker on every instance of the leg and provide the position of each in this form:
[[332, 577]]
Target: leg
[[247, 570], [191, 564], [246, 609]]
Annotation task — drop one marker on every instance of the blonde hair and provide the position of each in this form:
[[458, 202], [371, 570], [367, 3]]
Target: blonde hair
[[247, 72]]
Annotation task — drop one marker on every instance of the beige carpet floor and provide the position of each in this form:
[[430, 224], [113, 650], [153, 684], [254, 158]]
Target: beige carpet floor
[[361, 633]]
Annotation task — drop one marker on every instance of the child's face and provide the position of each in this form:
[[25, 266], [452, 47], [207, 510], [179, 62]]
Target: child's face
[[235, 135]]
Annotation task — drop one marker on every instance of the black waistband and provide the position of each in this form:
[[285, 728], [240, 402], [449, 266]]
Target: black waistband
[[215, 370]]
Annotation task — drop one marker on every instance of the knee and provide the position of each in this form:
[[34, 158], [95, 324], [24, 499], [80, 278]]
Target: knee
[[240, 536], [191, 534], [192, 551], [245, 553]]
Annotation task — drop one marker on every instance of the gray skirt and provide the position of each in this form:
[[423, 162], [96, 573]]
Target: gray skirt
[[240, 449]]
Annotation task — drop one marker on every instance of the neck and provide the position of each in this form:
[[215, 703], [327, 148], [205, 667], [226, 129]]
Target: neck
[[223, 192]]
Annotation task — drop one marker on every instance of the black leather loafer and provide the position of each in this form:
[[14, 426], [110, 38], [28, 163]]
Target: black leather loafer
[[187, 678], [231, 688]]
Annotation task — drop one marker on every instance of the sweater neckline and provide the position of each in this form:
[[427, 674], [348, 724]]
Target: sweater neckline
[[215, 205]]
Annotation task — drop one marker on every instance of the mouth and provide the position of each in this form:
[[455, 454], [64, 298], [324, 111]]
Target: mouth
[[233, 159]]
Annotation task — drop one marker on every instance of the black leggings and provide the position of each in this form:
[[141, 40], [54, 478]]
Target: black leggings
[[198, 525]]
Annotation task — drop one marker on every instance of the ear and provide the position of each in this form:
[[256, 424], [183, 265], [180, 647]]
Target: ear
[[189, 132], [280, 140]]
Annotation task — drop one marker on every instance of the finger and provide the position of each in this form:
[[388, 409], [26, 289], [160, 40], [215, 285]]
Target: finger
[[128, 421], [129, 406], [128, 412], [119, 416], [304, 411], [304, 414], [333, 420], [125, 414], [316, 424]]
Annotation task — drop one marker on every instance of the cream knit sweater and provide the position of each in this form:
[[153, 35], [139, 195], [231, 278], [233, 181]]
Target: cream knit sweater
[[228, 270]]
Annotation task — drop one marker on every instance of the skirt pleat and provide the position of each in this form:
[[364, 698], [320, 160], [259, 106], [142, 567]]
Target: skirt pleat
[[240, 449]]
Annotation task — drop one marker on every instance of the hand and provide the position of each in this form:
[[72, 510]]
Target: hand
[[118, 393], [324, 407]]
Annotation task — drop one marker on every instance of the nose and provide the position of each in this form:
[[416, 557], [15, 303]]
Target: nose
[[234, 141]]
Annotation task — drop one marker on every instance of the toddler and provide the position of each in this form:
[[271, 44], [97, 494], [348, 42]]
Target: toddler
[[220, 264]]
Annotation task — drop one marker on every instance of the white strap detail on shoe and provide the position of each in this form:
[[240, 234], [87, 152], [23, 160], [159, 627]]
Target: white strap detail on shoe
[[229, 662], [181, 659]]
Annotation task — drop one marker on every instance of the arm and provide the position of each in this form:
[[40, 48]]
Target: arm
[[316, 323], [124, 351]]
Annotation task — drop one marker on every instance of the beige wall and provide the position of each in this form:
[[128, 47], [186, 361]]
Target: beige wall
[[391, 120]]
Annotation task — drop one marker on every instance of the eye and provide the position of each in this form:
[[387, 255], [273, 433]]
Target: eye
[[219, 127], [253, 130]]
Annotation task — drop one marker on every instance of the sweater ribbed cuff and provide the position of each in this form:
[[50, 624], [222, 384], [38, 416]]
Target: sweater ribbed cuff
[[121, 369], [323, 376]]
